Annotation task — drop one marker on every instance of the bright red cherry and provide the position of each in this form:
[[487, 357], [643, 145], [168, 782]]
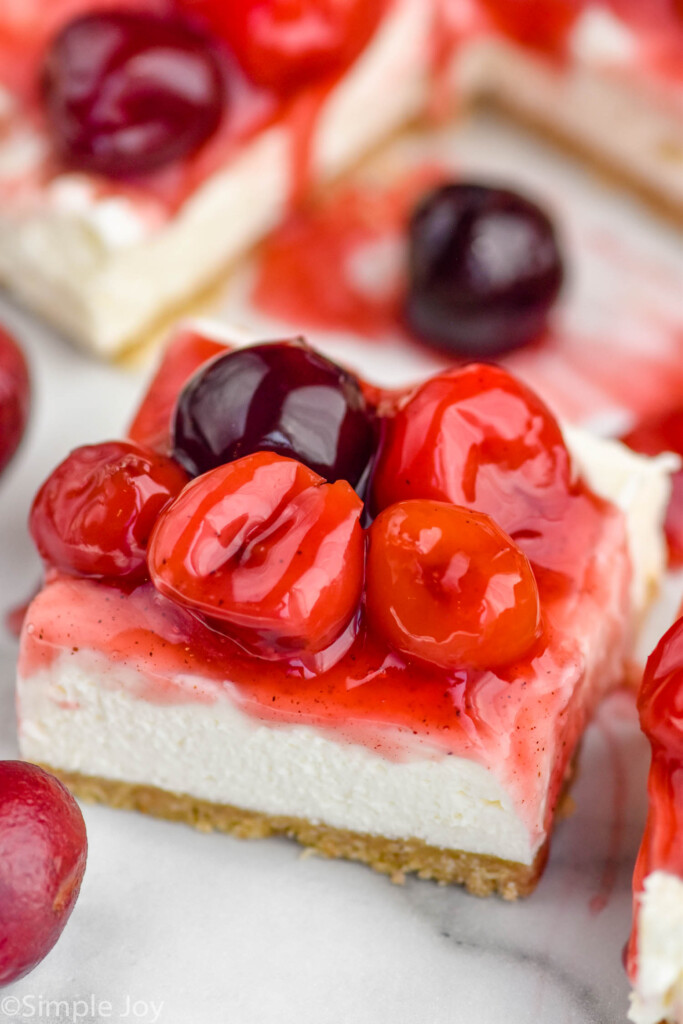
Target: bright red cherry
[[484, 270], [660, 699], [267, 550], [279, 397], [14, 396], [284, 44], [448, 586], [94, 514], [127, 92], [43, 849], [479, 438]]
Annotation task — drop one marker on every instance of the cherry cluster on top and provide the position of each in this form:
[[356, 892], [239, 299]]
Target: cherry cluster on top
[[250, 519]]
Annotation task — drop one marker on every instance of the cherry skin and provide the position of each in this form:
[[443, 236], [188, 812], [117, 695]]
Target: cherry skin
[[281, 397], [14, 397], [285, 44], [476, 437], [94, 514], [266, 550], [484, 270], [127, 92], [447, 586], [660, 698], [43, 850]]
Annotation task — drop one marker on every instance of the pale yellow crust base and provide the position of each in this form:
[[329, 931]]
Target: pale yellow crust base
[[481, 875]]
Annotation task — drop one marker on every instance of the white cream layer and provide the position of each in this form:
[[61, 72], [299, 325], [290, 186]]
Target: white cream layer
[[81, 715], [103, 271], [658, 994]]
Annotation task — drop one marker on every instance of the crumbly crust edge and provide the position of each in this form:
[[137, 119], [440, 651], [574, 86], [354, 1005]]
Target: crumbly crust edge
[[480, 874]]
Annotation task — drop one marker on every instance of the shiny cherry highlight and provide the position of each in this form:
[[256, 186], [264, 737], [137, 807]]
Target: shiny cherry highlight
[[484, 270], [478, 438], [267, 551], [447, 586], [94, 514], [127, 92], [280, 397]]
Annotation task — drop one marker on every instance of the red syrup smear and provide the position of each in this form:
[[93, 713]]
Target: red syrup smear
[[309, 271], [605, 723], [660, 704]]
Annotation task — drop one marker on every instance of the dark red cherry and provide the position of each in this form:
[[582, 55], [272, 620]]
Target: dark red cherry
[[484, 269], [94, 514], [280, 397], [127, 92]]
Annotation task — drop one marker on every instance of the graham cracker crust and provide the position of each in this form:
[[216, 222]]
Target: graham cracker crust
[[480, 874]]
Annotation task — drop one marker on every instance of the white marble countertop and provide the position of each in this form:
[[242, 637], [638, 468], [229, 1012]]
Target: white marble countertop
[[181, 927]]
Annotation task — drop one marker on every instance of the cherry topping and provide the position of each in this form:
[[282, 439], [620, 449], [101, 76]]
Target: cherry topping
[[447, 586], [94, 514], [284, 44], [14, 397], [660, 699], [479, 438], [484, 269], [265, 549], [43, 849], [127, 92], [280, 397]]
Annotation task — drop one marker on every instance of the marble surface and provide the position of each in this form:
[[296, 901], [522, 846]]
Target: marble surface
[[177, 927]]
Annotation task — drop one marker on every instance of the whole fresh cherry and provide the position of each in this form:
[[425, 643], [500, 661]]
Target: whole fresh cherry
[[660, 699], [484, 270], [479, 438], [43, 849], [285, 44], [127, 92], [279, 397], [447, 586], [267, 551], [14, 396], [94, 514]]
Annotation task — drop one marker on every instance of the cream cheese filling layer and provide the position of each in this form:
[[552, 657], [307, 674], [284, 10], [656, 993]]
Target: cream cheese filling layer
[[216, 752], [658, 994]]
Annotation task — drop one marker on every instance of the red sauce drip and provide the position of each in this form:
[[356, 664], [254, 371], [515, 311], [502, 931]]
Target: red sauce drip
[[664, 433], [542, 25]]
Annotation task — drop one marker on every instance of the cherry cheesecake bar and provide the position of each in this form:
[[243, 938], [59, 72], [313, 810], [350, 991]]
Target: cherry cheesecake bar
[[144, 145], [377, 621]]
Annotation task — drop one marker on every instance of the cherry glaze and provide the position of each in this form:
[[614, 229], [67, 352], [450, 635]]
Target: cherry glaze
[[95, 512], [484, 270], [14, 396], [447, 586], [267, 551], [479, 438], [285, 44], [127, 92], [282, 397], [43, 849]]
